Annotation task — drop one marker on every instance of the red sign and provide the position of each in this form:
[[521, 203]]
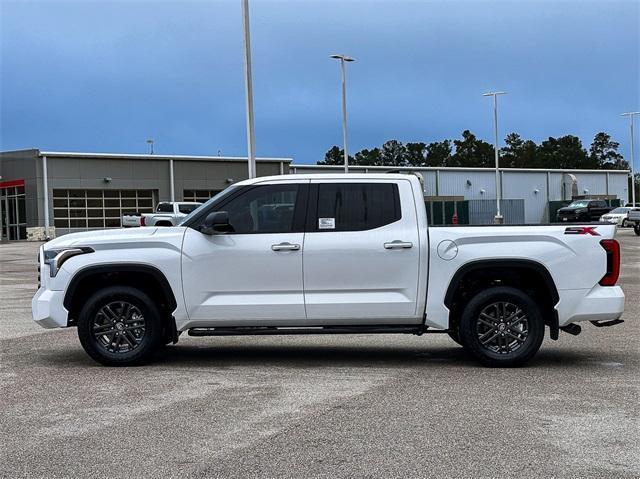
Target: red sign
[[11, 183]]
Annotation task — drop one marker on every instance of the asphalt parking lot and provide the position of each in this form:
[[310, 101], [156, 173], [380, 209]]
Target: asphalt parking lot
[[332, 406]]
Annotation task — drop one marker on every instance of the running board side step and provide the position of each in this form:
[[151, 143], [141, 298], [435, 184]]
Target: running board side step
[[604, 324], [274, 330], [571, 328]]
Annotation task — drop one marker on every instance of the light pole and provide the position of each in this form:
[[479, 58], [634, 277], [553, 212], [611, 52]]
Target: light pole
[[631, 114], [498, 218], [343, 59], [248, 90], [150, 143]]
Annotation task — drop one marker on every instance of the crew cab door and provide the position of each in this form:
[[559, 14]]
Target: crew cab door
[[252, 276], [361, 253], [597, 209]]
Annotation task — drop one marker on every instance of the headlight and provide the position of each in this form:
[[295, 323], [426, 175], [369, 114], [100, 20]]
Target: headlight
[[55, 258]]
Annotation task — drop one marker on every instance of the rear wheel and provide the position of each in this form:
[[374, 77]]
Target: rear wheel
[[636, 229], [455, 335], [502, 326], [120, 326]]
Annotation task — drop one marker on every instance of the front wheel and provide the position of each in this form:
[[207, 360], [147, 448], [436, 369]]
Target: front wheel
[[120, 326], [502, 327], [636, 229]]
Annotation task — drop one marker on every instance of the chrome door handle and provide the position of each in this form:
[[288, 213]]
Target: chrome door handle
[[397, 244], [285, 247]]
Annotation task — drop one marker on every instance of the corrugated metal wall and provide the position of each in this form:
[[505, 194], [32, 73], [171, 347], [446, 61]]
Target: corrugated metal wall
[[532, 188], [482, 212], [591, 183], [473, 185]]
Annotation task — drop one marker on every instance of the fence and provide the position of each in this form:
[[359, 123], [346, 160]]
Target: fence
[[482, 212]]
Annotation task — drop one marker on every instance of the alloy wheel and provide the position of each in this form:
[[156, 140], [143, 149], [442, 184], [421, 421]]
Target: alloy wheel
[[119, 327], [502, 327]]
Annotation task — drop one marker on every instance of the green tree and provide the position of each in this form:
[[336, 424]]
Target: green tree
[[470, 152], [603, 153], [393, 153], [563, 152], [416, 154], [368, 157], [518, 153], [439, 153], [334, 156]]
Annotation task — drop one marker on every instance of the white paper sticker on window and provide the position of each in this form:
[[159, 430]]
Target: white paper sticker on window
[[326, 223]]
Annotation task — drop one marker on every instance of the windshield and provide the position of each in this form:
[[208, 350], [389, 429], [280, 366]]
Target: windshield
[[578, 204], [207, 203], [621, 210]]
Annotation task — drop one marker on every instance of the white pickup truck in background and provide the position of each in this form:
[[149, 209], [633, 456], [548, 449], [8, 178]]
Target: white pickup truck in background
[[328, 254], [167, 214]]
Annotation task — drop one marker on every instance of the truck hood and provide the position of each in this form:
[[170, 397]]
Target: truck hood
[[99, 237]]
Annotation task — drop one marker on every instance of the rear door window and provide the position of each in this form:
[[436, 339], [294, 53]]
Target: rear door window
[[356, 206], [186, 208]]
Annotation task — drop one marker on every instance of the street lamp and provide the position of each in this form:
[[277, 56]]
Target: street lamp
[[343, 59], [251, 156], [631, 114], [150, 143], [498, 218]]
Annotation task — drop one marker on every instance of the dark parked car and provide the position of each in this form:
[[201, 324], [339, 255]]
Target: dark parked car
[[583, 210]]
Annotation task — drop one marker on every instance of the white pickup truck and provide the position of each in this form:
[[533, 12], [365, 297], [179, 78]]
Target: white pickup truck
[[167, 214], [313, 254]]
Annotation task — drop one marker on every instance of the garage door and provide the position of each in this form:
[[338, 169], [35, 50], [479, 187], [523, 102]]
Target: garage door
[[94, 209]]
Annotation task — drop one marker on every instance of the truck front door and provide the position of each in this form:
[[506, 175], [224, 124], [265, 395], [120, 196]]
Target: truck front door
[[252, 276]]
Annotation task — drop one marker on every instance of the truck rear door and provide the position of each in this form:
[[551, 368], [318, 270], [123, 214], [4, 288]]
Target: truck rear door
[[361, 252]]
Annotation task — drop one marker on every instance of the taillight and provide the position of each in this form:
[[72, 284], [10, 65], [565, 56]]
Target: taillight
[[612, 247], [142, 223]]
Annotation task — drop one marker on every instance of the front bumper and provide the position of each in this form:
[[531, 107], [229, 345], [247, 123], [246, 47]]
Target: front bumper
[[601, 303], [47, 309]]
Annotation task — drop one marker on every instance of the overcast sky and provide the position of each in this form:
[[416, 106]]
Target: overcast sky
[[105, 76]]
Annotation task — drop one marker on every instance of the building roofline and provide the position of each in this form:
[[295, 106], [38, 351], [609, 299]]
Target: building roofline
[[135, 156], [295, 167]]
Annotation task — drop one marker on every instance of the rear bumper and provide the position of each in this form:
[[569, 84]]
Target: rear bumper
[[47, 309], [601, 303]]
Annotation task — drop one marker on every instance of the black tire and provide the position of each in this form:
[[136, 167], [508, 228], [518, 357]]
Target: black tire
[[138, 337], [636, 229], [455, 335], [527, 328], [624, 224]]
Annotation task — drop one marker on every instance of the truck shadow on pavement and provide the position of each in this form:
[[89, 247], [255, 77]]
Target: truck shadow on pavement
[[305, 356]]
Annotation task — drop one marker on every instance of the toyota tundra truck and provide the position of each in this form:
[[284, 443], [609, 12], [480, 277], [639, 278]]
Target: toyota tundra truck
[[328, 254]]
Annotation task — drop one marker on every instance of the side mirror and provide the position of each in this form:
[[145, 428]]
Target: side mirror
[[216, 223]]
